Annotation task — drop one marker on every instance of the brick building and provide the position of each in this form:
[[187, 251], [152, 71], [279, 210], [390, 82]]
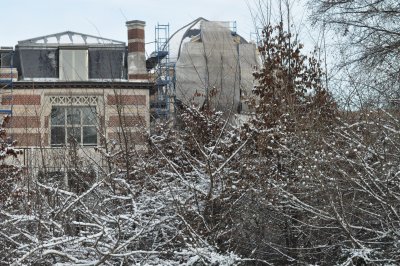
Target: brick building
[[75, 88]]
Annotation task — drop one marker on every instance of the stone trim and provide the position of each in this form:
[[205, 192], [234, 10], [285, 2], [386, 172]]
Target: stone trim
[[73, 100]]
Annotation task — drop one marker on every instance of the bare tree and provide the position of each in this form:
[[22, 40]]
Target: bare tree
[[368, 40]]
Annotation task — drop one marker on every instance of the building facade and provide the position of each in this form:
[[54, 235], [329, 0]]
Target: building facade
[[75, 89]]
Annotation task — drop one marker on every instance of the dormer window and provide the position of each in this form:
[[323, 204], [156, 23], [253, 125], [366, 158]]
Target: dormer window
[[73, 64], [5, 58]]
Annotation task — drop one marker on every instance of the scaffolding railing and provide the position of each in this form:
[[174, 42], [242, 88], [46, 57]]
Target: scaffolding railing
[[165, 93], [7, 73], [256, 37]]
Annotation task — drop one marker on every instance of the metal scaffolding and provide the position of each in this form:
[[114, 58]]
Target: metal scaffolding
[[7, 73], [164, 71]]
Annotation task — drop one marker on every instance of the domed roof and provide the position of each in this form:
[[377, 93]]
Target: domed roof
[[192, 32], [213, 66]]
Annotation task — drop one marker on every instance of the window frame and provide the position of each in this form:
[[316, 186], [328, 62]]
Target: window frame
[[73, 63], [66, 124]]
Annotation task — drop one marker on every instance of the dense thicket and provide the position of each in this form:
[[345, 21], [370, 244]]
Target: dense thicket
[[301, 182]]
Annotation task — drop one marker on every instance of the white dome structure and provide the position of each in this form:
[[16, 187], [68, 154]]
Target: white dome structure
[[213, 66]]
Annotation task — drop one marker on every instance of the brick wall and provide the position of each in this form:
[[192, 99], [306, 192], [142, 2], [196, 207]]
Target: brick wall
[[138, 76], [25, 122], [126, 100], [136, 47], [27, 139], [21, 99], [126, 121], [135, 34], [132, 137], [8, 76]]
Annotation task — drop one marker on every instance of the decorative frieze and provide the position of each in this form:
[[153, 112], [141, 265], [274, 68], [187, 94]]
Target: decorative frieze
[[73, 100]]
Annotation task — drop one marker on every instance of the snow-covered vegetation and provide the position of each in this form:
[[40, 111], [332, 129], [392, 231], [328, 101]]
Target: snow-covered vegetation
[[301, 182]]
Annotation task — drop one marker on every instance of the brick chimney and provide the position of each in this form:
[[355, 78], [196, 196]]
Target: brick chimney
[[136, 53]]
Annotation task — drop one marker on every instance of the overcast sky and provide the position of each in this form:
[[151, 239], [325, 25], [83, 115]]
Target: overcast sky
[[24, 19]]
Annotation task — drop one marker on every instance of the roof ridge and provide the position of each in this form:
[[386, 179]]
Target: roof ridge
[[68, 33]]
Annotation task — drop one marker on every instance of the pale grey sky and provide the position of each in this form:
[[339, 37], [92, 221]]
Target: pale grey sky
[[24, 19]]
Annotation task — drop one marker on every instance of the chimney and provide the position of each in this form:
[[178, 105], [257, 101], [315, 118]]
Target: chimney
[[136, 53]]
